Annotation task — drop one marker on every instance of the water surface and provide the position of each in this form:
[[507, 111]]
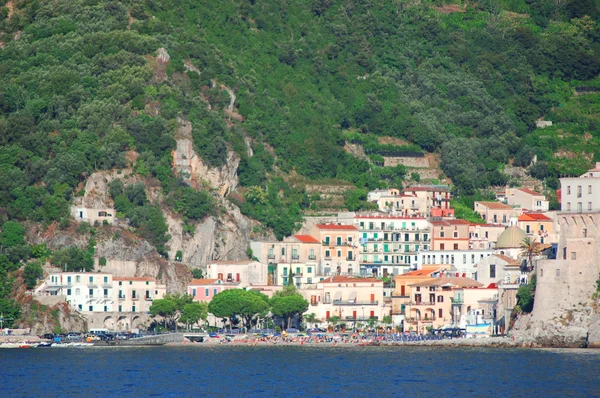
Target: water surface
[[298, 371]]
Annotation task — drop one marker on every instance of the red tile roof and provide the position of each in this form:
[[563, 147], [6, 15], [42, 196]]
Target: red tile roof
[[196, 282], [306, 239], [336, 227], [450, 222], [510, 261], [534, 217], [530, 191], [447, 280], [349, 279], [415, 189], [133, 278], [420, 272], [389, 217]]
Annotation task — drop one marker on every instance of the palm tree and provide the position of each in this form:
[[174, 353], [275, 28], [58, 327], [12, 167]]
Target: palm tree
[[311, 318], [529, 248], [334, 320]]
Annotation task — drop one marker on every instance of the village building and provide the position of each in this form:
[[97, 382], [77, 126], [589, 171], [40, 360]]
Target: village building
[[350, 298], [136, 293], [389, 244], [538, 226], [430, 304], [245, 273], [581, 194], [450, 235], [339, 248], [461, 262], [435, 196], [492, 269], [527, 199], [495, 212], [204, 290], [484, 236], [298, 258], [475, 306]]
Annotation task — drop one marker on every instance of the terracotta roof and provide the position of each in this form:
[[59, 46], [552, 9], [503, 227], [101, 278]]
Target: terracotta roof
[[133, 278], [349, 279], [306, 239], [534, 217], [447, 280], [196, 282], [509, 260], [495, 205], [389, 217], [530, 191], [335, 227], [420, 272]]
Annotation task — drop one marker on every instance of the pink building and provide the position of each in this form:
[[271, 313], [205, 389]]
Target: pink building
[[205, 289]]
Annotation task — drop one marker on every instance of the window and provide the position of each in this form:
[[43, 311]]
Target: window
[[456, 246], [215, 292], [133, 294], [91, 292], [440, 313], [455, 234], [297, 270], [120, 283], [285, 271], [193, 292], [106, 279], [230, 277], [573, 256], [311, 254], [339, 253], [441, 234], [121, 294], [77, 292], [133, 308], [558, 272], [206, 292], [309, 270], [105, 308], [568, 189], [327, 254], [237, 278], [148, 294], [418, 289], [91, 308], [589, 205], [120, 308], [131, 282], [464, 259], [78, 279], [440, 299], [283, 251], [91, 279], [579, 191], [69, 280], [568, 206], [80, 307], [68, 292], [585, 232], [442, 246], [309, 280], [492, 270], [541, 272], [105, 292], [147, 283]]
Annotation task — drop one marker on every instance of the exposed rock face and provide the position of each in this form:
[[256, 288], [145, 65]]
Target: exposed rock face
[[195, 171], [549, 333]]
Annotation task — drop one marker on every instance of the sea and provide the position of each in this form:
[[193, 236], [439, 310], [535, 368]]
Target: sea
[[298, 371]]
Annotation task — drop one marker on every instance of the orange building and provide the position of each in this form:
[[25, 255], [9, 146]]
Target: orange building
[[450, 235]]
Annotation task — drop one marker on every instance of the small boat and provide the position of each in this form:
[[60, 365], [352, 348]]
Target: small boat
[[44, 344]]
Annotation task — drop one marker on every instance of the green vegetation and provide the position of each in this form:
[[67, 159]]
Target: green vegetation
[[173, 307], [526, 296], [32, 272], [234, 303]]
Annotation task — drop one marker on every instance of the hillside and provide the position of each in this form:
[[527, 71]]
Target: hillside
[[268, 95]]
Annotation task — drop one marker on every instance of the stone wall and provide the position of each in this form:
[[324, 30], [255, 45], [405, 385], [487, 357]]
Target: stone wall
[[409, 161]]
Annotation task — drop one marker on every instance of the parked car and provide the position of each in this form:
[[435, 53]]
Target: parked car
[[214, 335], [49, 336]]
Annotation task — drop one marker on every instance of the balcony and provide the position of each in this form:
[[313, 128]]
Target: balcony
[[417, 320], [422, 303], [358, 318], [121, 298], [399, 296], [354, 302], [457, 301], [398, 312], [135, 298], [271, 256], [295, 258], [328, 258], [312, 257], [350, 258], [148, 298]]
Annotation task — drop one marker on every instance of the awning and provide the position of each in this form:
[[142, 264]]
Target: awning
[[352, 298], [338, 296], [52, 289]]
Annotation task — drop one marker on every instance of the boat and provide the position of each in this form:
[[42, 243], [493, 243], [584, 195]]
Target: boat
[[44, 344]]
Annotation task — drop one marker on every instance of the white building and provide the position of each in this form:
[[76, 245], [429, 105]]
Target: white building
[[462, 261], [527, 199], [84, 291], [245, 273], [581, 194]]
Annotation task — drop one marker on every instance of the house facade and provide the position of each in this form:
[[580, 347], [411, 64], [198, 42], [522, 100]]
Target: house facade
[[339, 248], [527, 199], [450, 235], [245, 273], [484, 236], [204, 290], [84, 291], [460, 261], [581, 194], [136, 294], [538, 226], [389, 244], [495, 212]]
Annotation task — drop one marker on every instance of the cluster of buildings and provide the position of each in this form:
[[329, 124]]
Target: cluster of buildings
[[412, 260]]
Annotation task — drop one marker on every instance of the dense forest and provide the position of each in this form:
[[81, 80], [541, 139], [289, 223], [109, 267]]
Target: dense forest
[[466, 80]]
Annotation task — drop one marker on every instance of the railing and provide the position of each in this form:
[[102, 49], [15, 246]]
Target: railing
[[312, 257], [400, 296], [350, 258], [135, 298], [271, 256], [422, 303], [358, 318], [398, 312], [457, 301], [148, 298], [415, 320], [327, 257], [295, 259], [354, 302], [121, 298]]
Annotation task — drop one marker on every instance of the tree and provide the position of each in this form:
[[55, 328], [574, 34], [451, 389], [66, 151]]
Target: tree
[[334, 321], [387, 320], [166, 308], [529, 248], [311, 319], [288, 306], [194, 312], [13, 234], [197, 273], [526, 295], [73, 259], [234, 303], [32, 272]]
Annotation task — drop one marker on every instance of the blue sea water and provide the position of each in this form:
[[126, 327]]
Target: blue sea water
[[293, 371]]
